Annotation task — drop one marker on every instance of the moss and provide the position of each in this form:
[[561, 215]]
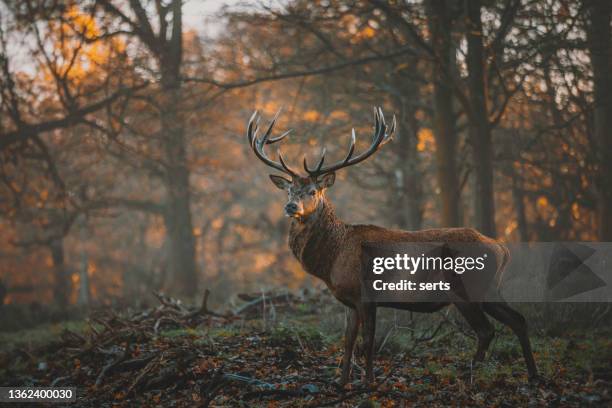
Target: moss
[[303, 335]]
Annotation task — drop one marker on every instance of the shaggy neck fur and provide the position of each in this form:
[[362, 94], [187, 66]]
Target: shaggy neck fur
[[315, 241]]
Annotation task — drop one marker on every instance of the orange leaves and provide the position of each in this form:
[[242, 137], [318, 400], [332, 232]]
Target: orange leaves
[[74, 40], [542, 202], [311, 116], [367, 32], [426, 140], [82, 22]]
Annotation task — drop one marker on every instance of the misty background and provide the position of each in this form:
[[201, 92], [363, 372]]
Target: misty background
[[124, 166]]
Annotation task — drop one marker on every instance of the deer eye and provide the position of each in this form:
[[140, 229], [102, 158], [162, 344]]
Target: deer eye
[[312, 192]]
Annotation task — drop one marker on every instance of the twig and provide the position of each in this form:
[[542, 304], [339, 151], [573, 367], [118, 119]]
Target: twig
[[143, 372], [203, 310], [108, 367]]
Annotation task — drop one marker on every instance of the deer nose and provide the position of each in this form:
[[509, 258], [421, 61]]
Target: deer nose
[[291, 208]]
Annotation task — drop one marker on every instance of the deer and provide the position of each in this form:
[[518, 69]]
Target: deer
[[330, 249]]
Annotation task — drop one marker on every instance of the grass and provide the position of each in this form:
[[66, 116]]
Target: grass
[[39, 335], [441, 358], [298, 349]]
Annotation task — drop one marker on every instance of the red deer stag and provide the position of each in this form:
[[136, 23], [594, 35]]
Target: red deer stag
[[330, 249]]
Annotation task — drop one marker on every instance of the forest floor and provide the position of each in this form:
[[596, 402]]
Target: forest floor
[[172, 355]]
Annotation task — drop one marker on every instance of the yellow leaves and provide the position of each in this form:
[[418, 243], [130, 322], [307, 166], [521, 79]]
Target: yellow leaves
[[547, 210], [83, 23], [339, 115], [542, 202], [576, 211], [426, 140], [367, 32], [78, 58]]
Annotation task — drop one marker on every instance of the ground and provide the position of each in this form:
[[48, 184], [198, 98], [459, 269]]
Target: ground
[[176, 356]]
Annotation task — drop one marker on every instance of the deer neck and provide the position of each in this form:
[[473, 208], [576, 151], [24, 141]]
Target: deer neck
[[316, 240]]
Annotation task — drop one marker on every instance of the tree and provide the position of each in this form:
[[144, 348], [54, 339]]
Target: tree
[[480, 128], [166, 47], [600, 49], [439, 23]]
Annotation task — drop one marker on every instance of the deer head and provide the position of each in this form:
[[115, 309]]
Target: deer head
[[306, 192]]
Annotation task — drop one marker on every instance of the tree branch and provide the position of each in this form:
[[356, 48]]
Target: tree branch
[[303, 73], [26, 131]]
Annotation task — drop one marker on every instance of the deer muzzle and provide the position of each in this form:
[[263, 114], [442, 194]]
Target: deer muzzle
[[292, 209]]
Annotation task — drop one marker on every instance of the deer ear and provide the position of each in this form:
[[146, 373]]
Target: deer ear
[[280, 182], [327, 180]]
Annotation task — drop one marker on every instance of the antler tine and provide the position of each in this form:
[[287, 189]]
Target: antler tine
[[257, 144], [380, 137], [319, 164], [382, 125], [272, 123], [279, 138], [351, 147], [286, 168], [250, 131], [390, 133]]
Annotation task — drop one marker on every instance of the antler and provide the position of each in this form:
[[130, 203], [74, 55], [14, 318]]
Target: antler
[[258, 144], [380, 138]]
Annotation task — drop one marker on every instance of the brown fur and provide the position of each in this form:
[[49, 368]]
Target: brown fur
[[331, 250]]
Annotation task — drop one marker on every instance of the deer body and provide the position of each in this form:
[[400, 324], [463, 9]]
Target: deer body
[[330, 249]]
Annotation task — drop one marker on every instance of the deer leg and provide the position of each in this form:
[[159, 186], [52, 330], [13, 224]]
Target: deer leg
[[480, 324], [368, 333], [350, 336], [513, 319]]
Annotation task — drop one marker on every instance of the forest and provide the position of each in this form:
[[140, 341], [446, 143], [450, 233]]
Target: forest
[[144, 253]]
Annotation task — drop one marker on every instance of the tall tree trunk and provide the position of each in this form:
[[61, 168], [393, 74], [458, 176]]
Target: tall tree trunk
[[600, 48], [444, 117], [178, 221], [62, 284], [479, 128], [518, 196], [408, 175], [84, 297]]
